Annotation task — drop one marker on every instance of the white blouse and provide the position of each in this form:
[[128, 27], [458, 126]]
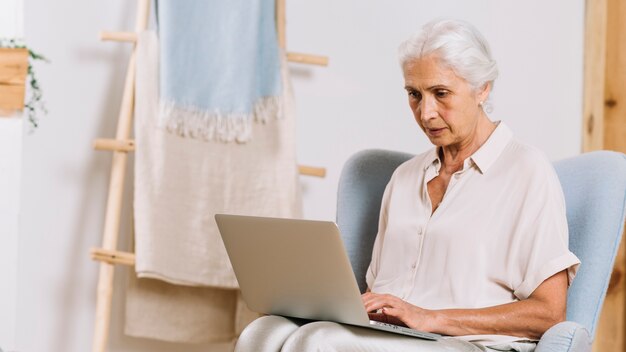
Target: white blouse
[[498, 233]]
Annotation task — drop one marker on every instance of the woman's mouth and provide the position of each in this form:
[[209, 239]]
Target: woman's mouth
[[435, 132]]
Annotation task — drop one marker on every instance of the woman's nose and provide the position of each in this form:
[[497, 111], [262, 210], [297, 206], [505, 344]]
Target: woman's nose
[[428, 109]]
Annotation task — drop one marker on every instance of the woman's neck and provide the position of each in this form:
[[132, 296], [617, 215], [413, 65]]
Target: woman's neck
[[454, 155]]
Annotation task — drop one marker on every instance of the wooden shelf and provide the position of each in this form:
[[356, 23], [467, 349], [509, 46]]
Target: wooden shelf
[[13, 71]]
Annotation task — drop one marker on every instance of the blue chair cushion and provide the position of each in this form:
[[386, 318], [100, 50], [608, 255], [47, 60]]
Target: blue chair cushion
[[565, 337]]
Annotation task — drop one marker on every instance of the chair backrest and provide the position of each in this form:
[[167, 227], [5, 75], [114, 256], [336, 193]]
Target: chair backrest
[[361, 185], [594, 185]]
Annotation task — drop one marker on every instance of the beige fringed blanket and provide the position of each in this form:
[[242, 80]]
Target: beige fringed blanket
[[180, 183]]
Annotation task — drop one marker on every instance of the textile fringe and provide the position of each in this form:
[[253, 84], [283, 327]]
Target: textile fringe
[[192, 122]]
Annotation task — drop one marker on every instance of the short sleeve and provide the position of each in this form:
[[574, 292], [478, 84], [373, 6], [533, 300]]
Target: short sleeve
[[540, 246]]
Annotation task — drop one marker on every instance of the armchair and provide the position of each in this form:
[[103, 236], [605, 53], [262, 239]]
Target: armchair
[[594, 185]]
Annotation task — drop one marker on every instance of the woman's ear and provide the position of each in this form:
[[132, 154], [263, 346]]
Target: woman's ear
[[483, 92]]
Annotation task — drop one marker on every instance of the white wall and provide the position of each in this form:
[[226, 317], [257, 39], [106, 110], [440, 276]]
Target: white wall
[[10, 171], [355, 103], [65, 181], [10, 168], [11, 19]]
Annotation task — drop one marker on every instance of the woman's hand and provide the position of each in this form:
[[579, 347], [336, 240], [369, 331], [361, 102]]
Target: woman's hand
[[391, 309], [529, 318]]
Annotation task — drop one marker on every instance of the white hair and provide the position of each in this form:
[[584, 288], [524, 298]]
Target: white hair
[[458, 45]]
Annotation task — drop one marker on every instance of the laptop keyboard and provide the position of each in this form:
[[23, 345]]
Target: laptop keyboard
[[380, 323], [405, 330]]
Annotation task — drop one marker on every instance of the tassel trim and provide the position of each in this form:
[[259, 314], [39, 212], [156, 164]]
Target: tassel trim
[[191, 122]]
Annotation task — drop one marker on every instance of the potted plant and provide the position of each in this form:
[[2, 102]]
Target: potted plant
[[16, 74]]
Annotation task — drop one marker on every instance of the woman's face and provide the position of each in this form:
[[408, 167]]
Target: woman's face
[[445, 106]]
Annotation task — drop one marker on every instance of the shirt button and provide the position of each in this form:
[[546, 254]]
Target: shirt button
[[419, 232], [414, 265]]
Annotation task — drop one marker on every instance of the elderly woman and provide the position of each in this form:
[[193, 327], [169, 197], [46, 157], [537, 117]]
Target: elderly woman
[[472, 240]]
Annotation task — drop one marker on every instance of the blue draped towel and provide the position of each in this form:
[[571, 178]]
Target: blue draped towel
[[220, 67]]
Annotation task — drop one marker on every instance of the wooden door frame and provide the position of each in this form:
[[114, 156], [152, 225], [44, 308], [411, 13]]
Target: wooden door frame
[[604, 127]]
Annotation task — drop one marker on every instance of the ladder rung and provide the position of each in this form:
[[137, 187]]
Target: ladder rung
[[114, 145], [113, 257], [129, 146], [307, 59], [131, 37], [312, 171]]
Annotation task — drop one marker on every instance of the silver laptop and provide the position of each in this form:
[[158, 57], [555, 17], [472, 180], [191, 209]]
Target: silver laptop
[[297, 268]]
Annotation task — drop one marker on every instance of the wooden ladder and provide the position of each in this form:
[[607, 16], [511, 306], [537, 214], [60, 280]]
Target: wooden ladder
[[121, 145]]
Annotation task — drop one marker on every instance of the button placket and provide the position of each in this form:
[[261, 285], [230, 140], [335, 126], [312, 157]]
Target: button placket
[[420, 235], [410, 282]]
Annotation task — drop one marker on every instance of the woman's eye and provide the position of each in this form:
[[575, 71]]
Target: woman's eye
[[415, 95], [442, 93]]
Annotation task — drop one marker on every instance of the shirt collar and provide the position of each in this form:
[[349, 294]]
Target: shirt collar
[[485, 156], [433, 159]]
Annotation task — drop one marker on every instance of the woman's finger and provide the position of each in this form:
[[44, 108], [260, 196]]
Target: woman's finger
[[375, 302], [382, 317]]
